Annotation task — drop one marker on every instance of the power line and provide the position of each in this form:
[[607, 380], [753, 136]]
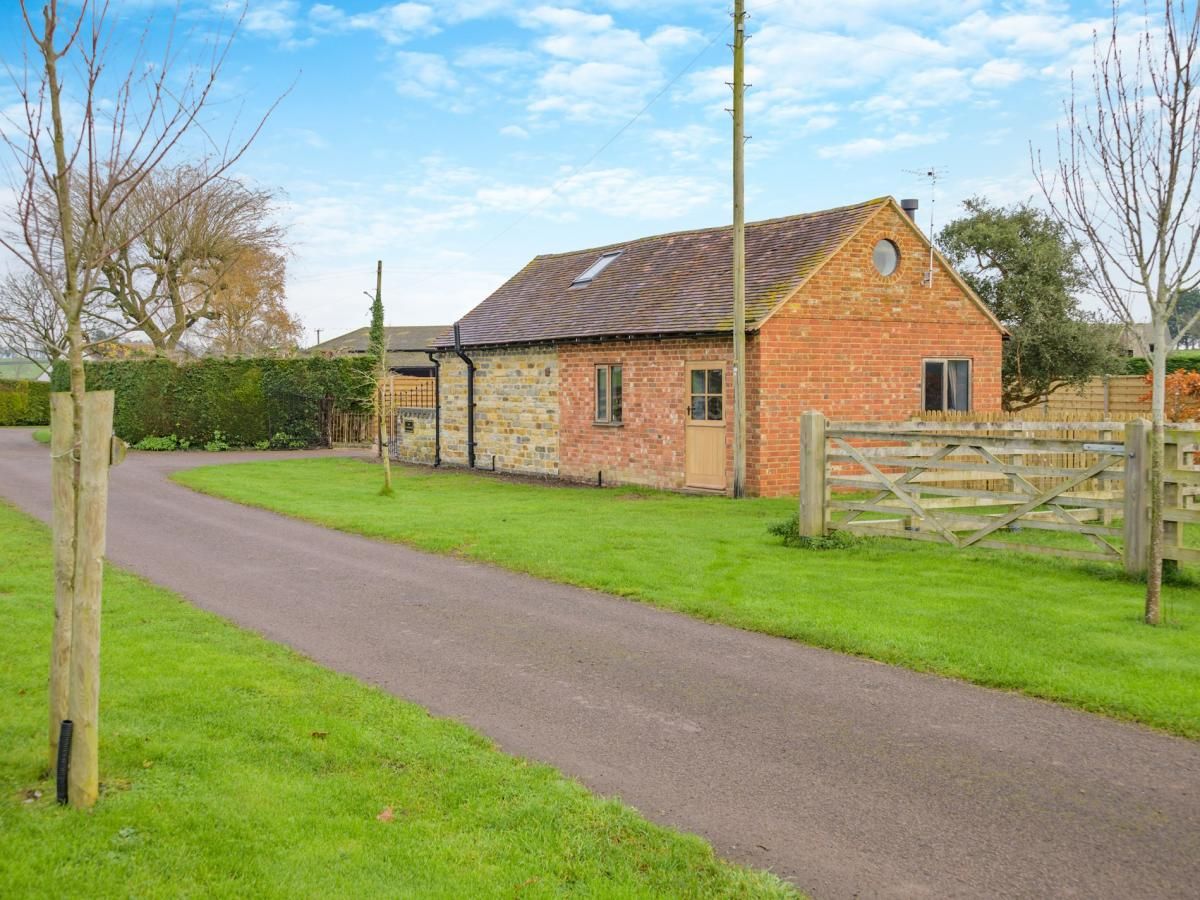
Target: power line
[[556, 188], [561, 182]]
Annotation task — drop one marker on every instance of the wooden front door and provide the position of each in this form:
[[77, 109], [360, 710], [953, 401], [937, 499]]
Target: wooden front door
[[705, 448]]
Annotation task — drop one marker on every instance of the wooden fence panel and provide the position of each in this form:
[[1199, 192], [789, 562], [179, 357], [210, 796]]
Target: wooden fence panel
[[351, 429], [1107, 395], [409, 391], [961, 482]]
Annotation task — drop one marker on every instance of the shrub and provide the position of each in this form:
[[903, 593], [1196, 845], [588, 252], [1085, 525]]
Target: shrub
[[217, 443], [150, 442], [247, 400], [24, 402], [282, 441], [834, 540], [1180, 361], [1182, 397]]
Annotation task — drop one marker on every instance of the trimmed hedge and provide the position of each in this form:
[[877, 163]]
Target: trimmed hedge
[[1179, 361], [240, 402], [24, 402]]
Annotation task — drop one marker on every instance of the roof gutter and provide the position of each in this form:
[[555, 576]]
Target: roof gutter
[[458, 351]]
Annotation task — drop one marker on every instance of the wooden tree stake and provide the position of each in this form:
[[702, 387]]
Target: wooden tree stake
[[62, 463], [95, 449]]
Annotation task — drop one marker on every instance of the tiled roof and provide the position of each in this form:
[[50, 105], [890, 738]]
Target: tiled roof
[[400, 338], [668, 283]]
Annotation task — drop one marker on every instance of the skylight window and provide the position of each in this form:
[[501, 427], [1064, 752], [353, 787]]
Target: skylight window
[[596, 268]]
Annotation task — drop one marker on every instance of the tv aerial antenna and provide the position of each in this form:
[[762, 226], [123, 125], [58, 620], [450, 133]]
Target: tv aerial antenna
[[932, 174]]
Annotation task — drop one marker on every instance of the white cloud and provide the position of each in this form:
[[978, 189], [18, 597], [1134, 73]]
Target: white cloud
[[396, 23], [1032, 32], [515, 131], [597, 70], [272, 18], [873, 146], [999, 73], [489, 56], [620, 192], [691, 142], [422, 74]]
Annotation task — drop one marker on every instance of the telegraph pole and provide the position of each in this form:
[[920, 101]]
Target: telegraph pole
[[739, 251]]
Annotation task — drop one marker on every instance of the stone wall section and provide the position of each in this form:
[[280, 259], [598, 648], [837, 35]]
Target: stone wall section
[[412, 438], [516, 409]]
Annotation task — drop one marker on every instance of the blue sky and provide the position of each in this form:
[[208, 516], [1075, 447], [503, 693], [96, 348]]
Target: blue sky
[[453, 139]]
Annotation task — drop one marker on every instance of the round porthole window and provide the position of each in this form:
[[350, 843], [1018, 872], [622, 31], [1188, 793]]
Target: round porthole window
[[886, 257]]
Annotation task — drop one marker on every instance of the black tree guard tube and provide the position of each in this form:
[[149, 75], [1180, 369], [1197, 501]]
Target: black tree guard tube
[[64, 757]]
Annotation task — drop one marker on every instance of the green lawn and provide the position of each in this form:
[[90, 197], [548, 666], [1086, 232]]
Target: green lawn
[[233, 767], [1050, 627]]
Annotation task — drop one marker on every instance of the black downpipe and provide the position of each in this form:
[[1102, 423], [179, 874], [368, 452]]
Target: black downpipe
[[65, 731], [437, 409], [458, 351]]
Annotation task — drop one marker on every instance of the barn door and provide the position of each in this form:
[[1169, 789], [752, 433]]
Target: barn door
[[705, 440]]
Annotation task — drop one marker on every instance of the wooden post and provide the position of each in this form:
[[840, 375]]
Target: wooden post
[[95, 449], [62, 464], [1172, 500], [812, 474], [1137, 496], [1105, 482]]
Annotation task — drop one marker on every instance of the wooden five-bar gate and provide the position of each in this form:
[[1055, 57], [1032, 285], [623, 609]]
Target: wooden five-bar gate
[[973, 484]]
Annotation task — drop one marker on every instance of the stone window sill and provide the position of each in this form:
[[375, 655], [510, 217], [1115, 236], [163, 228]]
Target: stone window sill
[[608, 424]]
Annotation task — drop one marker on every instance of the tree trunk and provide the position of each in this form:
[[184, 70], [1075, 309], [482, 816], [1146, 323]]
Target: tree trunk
[[381, 414], [1157, 404]]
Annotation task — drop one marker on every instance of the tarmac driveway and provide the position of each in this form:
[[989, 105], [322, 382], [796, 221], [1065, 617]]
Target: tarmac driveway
[[851, 778]]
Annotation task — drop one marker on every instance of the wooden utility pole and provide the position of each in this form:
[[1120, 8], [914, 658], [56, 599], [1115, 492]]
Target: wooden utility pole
[[377, 324], [739, 251]]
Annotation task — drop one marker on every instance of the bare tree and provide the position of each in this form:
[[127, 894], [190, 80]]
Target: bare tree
[[32, 325], [87, 137], [163, 279], [1125, 188], [250, 315]]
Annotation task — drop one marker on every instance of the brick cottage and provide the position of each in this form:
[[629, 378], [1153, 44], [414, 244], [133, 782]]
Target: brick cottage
[[615, 362]]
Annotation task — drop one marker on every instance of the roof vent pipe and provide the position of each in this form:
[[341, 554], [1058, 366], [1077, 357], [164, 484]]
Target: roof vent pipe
[[909, 206]]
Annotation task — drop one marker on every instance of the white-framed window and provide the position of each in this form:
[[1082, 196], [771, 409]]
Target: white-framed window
[[608, 394], [946, 385]]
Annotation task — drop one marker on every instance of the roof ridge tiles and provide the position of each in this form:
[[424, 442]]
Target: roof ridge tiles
[[874, 201]]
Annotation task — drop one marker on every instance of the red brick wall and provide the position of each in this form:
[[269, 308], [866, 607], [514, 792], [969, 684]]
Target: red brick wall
[[851, 345], [648, 448]]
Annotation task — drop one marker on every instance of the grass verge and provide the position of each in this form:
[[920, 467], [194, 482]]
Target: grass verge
[[233, 767], [1051, 628]]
